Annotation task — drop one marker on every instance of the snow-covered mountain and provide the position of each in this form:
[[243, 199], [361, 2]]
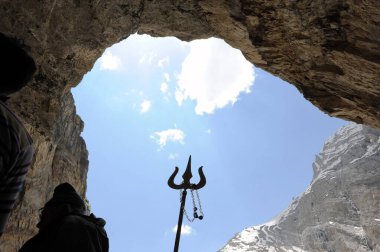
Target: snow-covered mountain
[[339, 211]]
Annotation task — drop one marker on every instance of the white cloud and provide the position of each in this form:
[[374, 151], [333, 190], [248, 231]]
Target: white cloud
[[162, 62], [147, 58], [185, 230], [109, 61], [179, 96], [213, 74], [173, 156], [145, 106], [164, 87], [208, 131], [169, 135], [167, 77]]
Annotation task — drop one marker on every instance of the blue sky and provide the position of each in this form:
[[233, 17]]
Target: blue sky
[[148, 103]]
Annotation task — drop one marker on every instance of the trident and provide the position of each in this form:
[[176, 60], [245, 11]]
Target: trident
[[184, 186]]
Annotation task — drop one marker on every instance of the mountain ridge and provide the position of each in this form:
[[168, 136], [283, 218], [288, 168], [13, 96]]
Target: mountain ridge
[[339, 210]]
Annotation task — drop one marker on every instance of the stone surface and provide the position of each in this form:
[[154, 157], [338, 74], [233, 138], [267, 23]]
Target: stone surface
[[339, 211], [328, 49], [61, 156]]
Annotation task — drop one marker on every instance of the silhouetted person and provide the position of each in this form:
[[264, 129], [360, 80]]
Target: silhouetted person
[[64, 227], [16, 146]]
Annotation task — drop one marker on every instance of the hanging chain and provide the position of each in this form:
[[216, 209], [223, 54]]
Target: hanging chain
[[195, 215], [199, 204], [184, 210]]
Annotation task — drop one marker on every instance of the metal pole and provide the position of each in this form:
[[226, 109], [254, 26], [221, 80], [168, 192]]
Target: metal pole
[[180, 218], [184, 186]]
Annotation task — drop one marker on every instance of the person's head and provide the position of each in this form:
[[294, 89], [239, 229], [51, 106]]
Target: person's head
[[65, 200], [16, 66]]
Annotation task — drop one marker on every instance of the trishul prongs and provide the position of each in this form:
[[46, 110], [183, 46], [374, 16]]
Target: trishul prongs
[[187, 175], [184, 186]]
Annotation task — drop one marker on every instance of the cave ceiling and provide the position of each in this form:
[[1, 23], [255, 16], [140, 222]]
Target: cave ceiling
[[329, 50]]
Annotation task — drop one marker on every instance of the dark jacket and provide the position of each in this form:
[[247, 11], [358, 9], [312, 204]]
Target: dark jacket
[[16, 154], [73, 233]]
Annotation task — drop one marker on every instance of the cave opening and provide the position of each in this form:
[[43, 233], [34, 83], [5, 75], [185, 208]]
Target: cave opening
[[148, 103]]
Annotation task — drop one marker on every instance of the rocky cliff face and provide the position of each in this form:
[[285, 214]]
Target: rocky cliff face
[[328, 49], [60, 156], [339, 211]]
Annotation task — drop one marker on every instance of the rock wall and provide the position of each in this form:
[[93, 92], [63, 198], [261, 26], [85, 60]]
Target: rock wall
[[328, 49], [339, 211], [60, 156]]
